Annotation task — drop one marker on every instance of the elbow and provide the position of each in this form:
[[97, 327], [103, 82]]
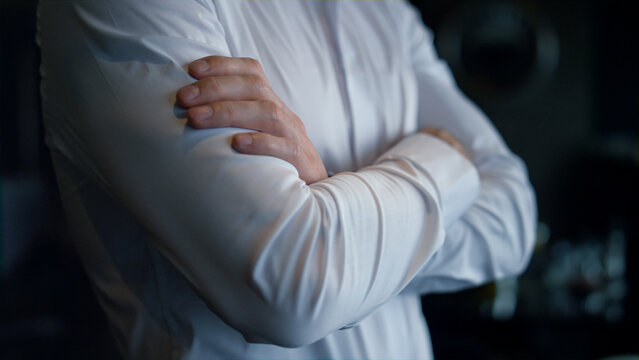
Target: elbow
[[300, 285], [522, 241], [526, 233], [298, 318], [523, 257], [513, 261], [299, 313], [293, 285], [521, 260], [517, 224]]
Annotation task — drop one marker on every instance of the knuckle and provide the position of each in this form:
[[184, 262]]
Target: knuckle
[[295, 149], [258, 82], [271, 110], [218, 61], [218, 108], [222, 113], [211, 59], [267, 144], [299, 124], [254, 65], [227, 110], [275, 117], [212, 85], [271, 145]]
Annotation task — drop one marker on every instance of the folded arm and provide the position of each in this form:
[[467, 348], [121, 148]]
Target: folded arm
[[494, 238], [280, 261]]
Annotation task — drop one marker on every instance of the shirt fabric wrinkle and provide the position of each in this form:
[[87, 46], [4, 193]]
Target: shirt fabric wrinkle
[[245, 260]]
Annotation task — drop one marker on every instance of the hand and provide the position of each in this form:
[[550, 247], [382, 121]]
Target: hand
[[234, 92], [447, 138]]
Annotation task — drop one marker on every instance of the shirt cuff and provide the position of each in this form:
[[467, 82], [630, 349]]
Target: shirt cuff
[[454, 177]]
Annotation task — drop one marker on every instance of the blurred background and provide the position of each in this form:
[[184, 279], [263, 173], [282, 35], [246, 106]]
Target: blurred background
[[560, 81]]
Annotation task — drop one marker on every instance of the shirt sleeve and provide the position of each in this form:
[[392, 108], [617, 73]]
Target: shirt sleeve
[[495, 237], [280, 261]]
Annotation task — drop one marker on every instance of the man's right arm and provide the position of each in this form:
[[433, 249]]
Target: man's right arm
[[280, 261]]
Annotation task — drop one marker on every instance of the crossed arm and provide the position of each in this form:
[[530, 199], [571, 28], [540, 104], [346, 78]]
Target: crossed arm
[[279, 260], [234, 92]]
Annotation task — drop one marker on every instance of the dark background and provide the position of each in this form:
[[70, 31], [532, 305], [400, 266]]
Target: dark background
[[560, 81]]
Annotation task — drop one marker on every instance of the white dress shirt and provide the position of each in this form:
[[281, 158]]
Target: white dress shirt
[[196, 251]]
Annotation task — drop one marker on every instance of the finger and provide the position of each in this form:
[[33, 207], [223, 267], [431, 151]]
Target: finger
[[263, 115], [433, 131], [452, 141], [223, 65], [442, 135], [265, 144], [449, 139], [218, 88]]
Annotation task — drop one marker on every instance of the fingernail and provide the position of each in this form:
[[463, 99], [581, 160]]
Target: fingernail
[[190, 92], [244, 139], [199, 66], [201, 112]]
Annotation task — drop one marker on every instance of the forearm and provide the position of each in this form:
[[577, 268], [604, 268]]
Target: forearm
[[492, 240], [280, 261], [495, 236]]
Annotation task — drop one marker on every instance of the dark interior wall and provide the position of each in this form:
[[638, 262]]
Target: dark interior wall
[[47, 309], [21, 146], [576, 126], [585, 106]]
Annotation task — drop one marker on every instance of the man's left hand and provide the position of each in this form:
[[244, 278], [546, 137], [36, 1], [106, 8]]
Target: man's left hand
[[234, 92]]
